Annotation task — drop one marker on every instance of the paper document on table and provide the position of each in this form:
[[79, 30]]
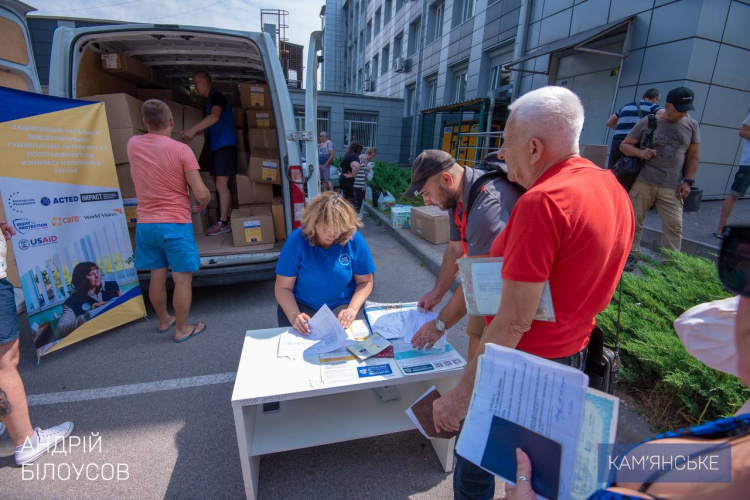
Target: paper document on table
[[411, 361], [599, 427], [523, 401], [326, 335], [398, 320], [349, 369], [482, 282], [369, 347]]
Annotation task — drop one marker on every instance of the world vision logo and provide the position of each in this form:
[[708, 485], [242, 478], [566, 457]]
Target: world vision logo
[[59, 221]]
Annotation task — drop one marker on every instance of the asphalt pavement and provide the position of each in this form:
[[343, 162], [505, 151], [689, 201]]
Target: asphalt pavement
[[163, 413]]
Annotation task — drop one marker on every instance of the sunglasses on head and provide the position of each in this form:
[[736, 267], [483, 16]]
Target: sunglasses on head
[[734, 260]]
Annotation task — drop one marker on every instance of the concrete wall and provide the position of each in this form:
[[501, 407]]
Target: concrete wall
[[389, 112]]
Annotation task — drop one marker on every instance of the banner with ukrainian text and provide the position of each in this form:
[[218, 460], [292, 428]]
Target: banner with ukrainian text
[[60, 192]]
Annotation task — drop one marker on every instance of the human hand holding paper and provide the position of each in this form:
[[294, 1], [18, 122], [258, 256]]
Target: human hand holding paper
[[449, 411]]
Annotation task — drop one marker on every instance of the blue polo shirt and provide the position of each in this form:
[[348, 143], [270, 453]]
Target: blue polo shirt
[[324, 276]]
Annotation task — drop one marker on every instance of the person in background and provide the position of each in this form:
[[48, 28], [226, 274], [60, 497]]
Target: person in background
[[222, 139], [582, 225], [349, 168], [30, 443], [741, 180], [89, 294], [668, 170], [627, 116], [162, 170], [360, 182], [325, 262], [325, 157]]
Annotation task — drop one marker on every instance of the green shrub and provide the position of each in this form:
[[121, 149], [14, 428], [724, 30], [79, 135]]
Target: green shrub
[[674, 388], [391, 177]]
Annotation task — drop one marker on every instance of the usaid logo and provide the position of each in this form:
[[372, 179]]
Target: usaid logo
[[24, 244], [37, 242]]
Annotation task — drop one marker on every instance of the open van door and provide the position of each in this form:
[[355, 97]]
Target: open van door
[[17, 67], [311, 113]]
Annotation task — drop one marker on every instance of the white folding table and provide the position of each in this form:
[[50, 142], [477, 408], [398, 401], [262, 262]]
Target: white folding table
[[314, 414]]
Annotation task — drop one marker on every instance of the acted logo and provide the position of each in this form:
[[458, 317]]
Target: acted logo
[[105, 196], [59, 221], [37, 242], [23, 225], [45, 201]]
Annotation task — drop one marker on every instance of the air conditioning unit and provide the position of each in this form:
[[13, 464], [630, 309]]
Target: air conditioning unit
[[366, 87], [398, 64]]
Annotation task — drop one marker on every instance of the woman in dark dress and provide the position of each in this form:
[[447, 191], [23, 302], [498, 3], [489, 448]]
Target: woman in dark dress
[[349, 168]]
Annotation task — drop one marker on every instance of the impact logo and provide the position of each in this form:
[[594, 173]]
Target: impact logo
[[344, 260], [59, 221], [57, 201], [37, 242], [106, 196], [17, 202], [23, 225]]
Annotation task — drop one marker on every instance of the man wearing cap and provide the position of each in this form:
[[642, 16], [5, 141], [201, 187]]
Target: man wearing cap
[[446, 184], [668, 170]]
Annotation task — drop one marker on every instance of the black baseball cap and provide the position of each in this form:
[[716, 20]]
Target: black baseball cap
[[427, 164], [681, 98]]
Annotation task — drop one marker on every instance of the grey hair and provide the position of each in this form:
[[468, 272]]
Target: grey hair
[[156, 114], [553, 114]]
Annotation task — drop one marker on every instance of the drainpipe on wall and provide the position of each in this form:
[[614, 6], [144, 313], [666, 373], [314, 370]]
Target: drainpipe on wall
[[520, 50], [418, 83]]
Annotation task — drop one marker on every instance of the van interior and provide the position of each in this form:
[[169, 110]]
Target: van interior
[[146, 63]]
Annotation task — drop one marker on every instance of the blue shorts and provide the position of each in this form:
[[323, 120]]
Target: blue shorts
[[9, 330], [166, 245], [741, 182]]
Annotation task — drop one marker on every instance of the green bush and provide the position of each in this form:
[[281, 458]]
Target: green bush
[[391, 177], [674, 388]]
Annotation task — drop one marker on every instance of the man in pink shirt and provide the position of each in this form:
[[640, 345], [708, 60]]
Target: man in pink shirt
[[162, 169]]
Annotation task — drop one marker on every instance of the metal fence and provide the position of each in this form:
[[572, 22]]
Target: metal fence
[[472, 147]]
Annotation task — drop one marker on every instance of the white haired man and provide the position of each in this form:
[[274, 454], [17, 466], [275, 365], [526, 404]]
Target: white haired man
[[582, 225]]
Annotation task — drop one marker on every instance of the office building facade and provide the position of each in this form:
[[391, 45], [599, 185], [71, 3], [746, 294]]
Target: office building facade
[[454, 61]]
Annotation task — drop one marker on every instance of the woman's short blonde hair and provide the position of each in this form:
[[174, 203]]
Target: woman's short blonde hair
[[330, 210]]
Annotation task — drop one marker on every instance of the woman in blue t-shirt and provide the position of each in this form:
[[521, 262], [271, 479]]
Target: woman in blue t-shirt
[[326, 261]]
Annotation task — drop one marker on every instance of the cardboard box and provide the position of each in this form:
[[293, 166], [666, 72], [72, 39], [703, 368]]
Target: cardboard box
[[133, 70], [595, 153], [196, 144], [119, 138], [243, 158], [123, 111], [249, 228], [400, 217], [241, 140], [131, 211], [260, 118], [191, 116], [161, 94], [279, 222], [230, 90], [262, 138], [253, 193], [264, 166], [125, 179], [177, 114], [239, 117], [208, 180], [255, 95], [431, 224], [93, 80], [200, 222]]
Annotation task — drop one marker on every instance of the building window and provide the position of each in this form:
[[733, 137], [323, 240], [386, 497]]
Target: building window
[[388, 9], [460, 77], [359, 80], [430, 98], [398, 46], [361, 43], [415, 30], [410, 100], [375, 68], [435, 23], [399, 4], [499, 76], [368, 32], [378, 16], [384, 68], [462, 11], [361, 127], [322, 122]]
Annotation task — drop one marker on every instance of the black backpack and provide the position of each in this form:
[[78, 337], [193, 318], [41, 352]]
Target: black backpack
[[493, 169]]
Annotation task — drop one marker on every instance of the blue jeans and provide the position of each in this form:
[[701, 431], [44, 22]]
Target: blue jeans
[[471, 482]]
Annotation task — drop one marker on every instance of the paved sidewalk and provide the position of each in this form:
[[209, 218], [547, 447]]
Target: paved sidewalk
[[631, 427]]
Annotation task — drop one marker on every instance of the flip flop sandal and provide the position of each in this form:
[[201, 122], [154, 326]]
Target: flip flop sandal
[[171, 325], [717, 235], [192, 334]]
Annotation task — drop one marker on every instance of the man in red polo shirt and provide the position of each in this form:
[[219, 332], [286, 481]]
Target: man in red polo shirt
[[573, 227]]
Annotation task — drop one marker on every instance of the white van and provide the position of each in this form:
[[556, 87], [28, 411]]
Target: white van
[[176, 52]]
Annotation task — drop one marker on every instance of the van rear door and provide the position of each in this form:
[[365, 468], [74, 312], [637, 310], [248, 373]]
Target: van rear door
[[311, 112], [17, 67]]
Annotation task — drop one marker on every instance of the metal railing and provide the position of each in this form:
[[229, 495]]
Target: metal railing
[[472, 147]]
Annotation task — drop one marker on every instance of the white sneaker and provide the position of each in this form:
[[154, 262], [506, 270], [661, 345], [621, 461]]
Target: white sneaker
[[45, 440], [2, 428]]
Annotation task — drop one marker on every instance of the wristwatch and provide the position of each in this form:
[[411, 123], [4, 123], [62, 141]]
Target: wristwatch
[[690, 182], [439, 325]]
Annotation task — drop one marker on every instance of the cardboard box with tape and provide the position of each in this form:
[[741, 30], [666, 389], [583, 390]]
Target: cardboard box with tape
[[125, 179], [262, 119], [253, 193], [200, 222], [252, 225], [279, 223], [263, 138], [431, 224], [131, 211], [123, 110], [255, 96], [264, 166], [119, 138]]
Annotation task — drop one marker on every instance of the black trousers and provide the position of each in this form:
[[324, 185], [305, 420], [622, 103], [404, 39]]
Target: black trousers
[[614, 151]]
